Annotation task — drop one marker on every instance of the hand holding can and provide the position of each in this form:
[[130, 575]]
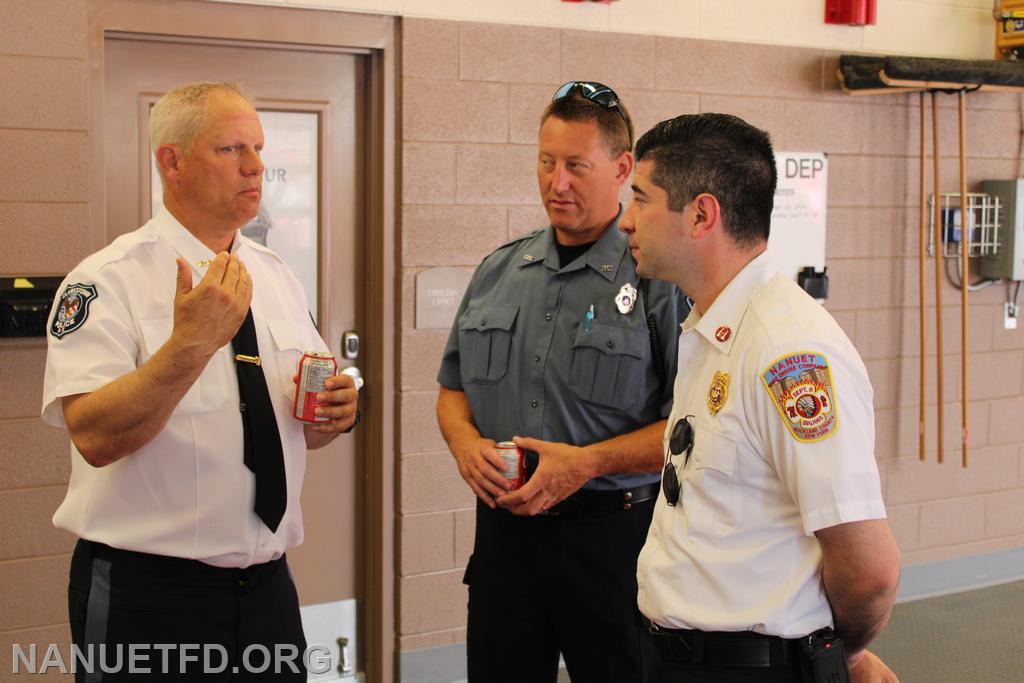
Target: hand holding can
[[314, 370]]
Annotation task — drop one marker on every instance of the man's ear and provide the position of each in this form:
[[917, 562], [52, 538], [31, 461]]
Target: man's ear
[[707, 215], [168, 158], [623, 168]]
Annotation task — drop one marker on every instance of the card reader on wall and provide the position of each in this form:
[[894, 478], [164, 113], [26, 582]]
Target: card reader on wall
[[25, 305]]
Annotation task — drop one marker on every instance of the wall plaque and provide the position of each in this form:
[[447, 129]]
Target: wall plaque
[[438, 295]]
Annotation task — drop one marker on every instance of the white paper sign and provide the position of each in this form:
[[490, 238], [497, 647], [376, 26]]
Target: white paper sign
[[797, 236]]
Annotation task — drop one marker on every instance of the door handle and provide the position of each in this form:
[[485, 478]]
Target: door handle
[[356, 376]]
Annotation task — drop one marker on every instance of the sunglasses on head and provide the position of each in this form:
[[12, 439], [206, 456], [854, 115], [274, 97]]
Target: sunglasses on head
[[681, 440], [595, 92]]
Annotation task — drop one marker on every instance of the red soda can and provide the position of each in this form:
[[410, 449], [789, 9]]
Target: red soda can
[[514, 460], [314, 369]]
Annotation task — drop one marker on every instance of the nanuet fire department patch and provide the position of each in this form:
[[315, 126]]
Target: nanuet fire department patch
[[73, 309], [800, 385]]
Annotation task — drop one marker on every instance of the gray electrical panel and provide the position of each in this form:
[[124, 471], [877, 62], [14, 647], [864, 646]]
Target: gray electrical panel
[[1008, 261]]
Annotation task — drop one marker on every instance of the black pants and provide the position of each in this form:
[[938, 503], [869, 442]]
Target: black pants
[[657, 670], [170, 610], [544, 585]]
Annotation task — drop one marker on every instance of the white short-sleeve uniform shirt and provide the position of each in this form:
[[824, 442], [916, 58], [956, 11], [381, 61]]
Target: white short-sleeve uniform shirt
[[783, 446], [186, 493]]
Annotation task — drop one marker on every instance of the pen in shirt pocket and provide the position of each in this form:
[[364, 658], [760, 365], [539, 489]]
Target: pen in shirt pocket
[[588, 318]]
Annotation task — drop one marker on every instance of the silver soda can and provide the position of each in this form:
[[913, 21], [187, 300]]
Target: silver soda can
[[513, 457], [314, 369]]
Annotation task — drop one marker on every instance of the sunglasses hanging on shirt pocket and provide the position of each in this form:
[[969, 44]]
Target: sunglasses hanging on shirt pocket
[[681, 440]]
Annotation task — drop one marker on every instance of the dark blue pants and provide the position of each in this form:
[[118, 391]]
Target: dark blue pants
[[170, 610], [544, 585]]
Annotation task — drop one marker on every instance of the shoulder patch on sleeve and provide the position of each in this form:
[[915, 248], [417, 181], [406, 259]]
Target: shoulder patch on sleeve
[[800, 386], [72, 309]]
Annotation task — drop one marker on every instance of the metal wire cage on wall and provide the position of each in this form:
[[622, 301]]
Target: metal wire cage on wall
[[983, 224]]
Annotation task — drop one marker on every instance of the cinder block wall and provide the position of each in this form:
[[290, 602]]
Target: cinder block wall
[[471, 97], [43, 227], [472, 94]]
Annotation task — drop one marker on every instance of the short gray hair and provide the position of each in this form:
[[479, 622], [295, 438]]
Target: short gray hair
[[177, 117]]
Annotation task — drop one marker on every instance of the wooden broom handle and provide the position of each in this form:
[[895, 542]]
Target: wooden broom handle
[[938, 270], [922, 227], [965, 250]]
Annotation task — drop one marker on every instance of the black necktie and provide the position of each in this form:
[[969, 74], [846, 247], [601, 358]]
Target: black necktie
[[262, 452]]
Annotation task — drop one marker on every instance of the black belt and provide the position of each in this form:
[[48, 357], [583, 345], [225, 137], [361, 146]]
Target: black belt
[[588, 500], [720, 648], [187, 570]]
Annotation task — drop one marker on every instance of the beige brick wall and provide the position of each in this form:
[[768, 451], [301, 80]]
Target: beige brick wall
[[472, 94], [43, 219]]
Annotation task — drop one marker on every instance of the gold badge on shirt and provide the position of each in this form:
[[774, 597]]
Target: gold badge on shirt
[[718, 393]]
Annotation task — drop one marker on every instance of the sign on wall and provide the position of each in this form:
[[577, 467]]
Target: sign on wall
[[288, 220], [797, 236], [438, 295]]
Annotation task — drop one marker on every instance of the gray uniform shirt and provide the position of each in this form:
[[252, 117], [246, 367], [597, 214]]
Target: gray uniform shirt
[[529, 365]]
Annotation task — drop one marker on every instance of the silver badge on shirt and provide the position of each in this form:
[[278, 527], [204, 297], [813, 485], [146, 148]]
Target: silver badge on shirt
[[626, 298]]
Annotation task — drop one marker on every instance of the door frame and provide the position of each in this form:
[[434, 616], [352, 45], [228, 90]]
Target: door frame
[[188, 20]]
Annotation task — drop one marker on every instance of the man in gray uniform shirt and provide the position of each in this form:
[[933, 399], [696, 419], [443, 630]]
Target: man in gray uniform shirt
[[559, 345]]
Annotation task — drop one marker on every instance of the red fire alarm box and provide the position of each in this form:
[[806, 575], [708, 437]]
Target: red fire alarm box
[[850, 12]]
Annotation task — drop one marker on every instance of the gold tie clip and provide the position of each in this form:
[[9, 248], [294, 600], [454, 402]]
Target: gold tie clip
[[204, 263], [255, 360]]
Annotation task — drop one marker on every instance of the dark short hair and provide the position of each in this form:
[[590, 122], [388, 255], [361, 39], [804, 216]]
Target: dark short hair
[[721, 155], [615, 129]]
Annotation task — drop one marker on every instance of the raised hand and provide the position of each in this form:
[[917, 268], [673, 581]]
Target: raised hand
[[207, 316]]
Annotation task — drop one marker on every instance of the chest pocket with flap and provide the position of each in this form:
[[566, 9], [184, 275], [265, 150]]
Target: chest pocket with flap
[[209, 391], [713, 490], [609, 364], [291, 340], [485, 339]]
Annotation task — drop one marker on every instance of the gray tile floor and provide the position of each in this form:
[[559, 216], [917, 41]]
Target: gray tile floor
[[971, 637]]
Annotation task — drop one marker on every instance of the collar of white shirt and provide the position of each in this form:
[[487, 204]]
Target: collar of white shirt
[[729, 307], [186, 244]]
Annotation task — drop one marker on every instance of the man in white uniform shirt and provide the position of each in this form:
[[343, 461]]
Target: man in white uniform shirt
[[171, 360], [770, 530]]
